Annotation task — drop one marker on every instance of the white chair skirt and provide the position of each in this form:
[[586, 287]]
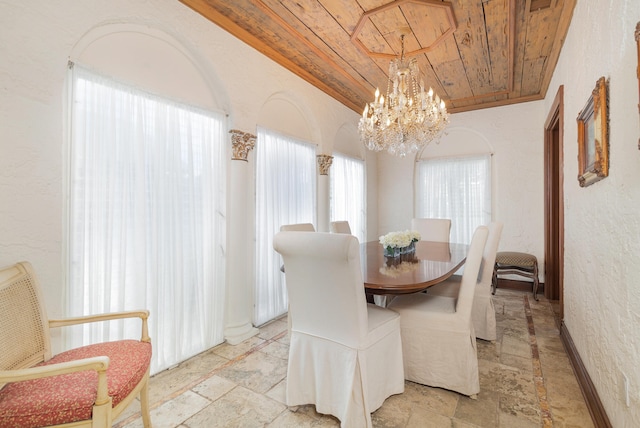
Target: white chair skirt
[[454, 367], [368, 378], [483, 315], [483, 312], [437, 349]]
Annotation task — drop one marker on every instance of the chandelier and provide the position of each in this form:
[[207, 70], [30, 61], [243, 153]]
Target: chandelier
[[408, 118]]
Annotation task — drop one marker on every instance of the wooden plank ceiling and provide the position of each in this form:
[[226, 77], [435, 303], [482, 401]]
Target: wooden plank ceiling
[[474, 53]]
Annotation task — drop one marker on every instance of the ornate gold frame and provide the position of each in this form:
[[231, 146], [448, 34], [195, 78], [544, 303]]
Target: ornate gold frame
[[593, 136]]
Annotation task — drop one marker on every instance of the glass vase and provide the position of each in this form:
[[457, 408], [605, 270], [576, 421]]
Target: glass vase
[[392, 252]]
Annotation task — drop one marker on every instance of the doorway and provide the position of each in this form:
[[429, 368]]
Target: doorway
[[554, 202]]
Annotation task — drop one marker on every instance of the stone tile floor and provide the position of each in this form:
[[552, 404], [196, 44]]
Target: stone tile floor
[[526, 380]]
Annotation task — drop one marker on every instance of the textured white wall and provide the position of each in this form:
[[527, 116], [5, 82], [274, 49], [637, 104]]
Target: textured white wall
[[602, 226], [515, 135]]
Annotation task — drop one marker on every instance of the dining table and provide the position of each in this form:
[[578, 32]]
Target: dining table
[[430, 263]]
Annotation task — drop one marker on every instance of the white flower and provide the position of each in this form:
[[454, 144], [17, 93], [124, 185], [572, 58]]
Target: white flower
[[399, 239]]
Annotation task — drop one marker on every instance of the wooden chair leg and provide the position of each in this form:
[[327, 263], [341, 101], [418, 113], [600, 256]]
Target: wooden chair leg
[[536, 281], [494, 279], [144, 405]]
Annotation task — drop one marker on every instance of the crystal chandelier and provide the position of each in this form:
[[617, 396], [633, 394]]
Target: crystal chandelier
[[408, 118]]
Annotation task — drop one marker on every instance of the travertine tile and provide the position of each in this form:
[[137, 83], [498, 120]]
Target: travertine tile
[[279, 392], [310, 411], [516, 346], [258, 372], [482, 412], [214, 387], [511, 421], [277, 350], [245, 386], [184, 375], [518, 362], [520, 408], [438, 400], [302, 420], [424, 418], [489, 351], [570, 413], [273, 328], [240, 407], [233, 351], [175, 411], [507, 380]]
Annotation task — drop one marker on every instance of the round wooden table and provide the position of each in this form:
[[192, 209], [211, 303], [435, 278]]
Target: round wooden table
[[432, 262]]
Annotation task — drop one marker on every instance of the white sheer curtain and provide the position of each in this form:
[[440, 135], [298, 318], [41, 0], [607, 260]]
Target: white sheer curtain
[[146, 217], [348, 193], [455, 188], [285, 194]]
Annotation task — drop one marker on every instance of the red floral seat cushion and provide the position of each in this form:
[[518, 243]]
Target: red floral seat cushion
[[70, 397]]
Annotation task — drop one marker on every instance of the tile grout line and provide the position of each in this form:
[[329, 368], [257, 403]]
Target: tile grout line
[[201, 379], [538, 378]]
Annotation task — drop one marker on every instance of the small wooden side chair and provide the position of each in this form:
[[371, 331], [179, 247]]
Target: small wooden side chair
[[515, 263]]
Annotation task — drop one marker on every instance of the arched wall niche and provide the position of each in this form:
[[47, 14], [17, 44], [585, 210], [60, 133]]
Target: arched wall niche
[[152, 60], [347, 142], [284, 113], [458, 141]]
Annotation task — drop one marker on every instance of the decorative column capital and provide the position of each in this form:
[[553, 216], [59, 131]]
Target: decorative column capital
[[324, 163], [638, 32], [242, 143]]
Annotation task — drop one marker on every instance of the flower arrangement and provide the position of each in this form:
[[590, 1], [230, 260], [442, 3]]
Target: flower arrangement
[[395, 242]]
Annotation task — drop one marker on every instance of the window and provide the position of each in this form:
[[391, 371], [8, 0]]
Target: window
[[348, 193], [285, 194], [146, 216], [455, 188]]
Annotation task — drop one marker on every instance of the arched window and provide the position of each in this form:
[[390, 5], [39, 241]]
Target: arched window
[[348, 193], [146, 216], [457, 188], [285, 194]]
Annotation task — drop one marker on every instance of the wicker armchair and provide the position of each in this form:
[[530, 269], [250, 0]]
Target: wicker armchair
[[88, 386]]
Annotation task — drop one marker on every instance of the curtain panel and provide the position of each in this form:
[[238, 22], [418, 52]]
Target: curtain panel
[[146, 216], [348, 193], [458, 189], [285, 194]]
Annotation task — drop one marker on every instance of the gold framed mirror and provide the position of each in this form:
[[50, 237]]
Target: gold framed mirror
[[593, 136]]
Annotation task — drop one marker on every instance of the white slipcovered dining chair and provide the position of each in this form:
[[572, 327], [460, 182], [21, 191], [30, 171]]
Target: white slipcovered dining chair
[[345, 355], [432, 229], [483, 312], [299, 227], [438, 340], [340, 227]]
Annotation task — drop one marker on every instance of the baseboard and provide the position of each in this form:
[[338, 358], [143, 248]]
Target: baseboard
[[598, 414]]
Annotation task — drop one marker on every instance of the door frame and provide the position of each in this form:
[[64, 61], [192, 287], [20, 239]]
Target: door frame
[[554, 197]]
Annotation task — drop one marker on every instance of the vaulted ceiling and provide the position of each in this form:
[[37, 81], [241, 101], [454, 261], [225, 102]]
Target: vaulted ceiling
[[474, 53]]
